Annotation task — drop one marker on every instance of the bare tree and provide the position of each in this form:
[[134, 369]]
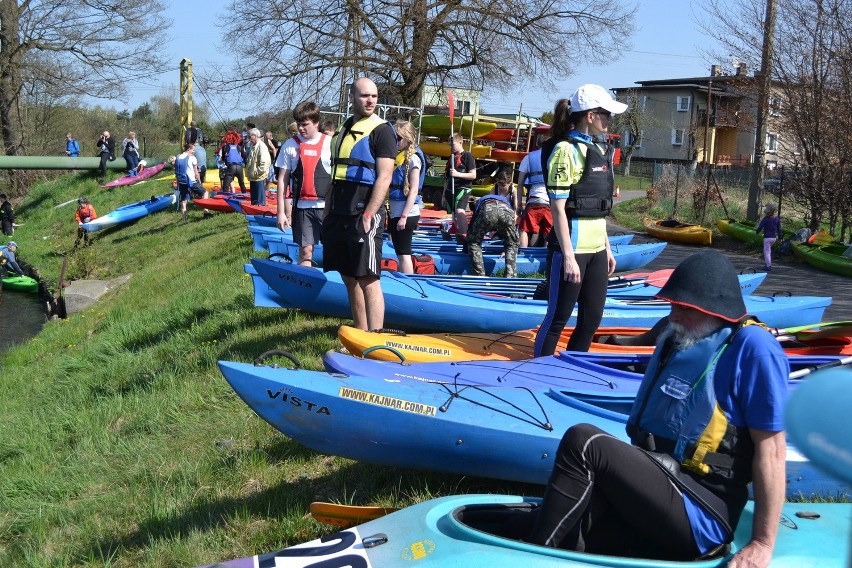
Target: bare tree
[[812, 86], [311, 49], [634, 121], [74, 47]]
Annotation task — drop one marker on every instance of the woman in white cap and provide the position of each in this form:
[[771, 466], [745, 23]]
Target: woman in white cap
[[579, 178]]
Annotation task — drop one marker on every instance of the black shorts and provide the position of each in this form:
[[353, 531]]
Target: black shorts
[[307, 226], [402, 239], [195, 190], [348, 249]]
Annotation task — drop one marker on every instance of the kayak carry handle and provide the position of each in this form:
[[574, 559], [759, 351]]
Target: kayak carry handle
[[396, 352], [388, 330], [279, 353], [285, 256]]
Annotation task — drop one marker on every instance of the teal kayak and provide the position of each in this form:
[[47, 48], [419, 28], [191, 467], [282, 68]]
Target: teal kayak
[[459, 531], [20, 284]]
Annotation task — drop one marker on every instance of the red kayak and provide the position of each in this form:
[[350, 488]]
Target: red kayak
[[250, 209]]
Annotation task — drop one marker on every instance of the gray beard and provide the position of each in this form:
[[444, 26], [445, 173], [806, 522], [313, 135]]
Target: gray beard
[[684, 337]]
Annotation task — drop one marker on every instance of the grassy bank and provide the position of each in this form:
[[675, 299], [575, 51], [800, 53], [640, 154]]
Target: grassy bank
[[123, 445]]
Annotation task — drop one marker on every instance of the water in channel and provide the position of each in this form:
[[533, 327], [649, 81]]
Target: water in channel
[[22, 316]]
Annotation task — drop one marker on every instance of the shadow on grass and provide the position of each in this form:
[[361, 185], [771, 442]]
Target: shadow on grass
[[354, 482]]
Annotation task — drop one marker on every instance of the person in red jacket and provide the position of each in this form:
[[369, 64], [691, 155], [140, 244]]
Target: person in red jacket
[[85, 213]]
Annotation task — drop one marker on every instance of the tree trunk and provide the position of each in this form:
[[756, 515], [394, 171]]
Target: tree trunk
[[411, 91], [11, 53]]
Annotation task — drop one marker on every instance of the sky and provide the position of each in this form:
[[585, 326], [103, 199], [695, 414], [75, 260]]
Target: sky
[[666, 45]]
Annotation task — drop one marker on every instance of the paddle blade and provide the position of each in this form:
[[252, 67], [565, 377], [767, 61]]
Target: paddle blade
[[659, 278], [347, 515], [451, 101]]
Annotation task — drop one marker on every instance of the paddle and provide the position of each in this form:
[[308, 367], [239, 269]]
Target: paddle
[[347, 515], [657, 278], [451, 101], [827, 329], [808, 370]]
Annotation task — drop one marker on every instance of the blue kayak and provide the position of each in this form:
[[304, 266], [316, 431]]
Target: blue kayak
[[529, 260], [619, 286], [818, 420], [619, 372], [131, 212], [497, 432], [458, 531], [423, 304]]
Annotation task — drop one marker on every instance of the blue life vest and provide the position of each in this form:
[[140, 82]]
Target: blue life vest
[[676, 407], [181, 168], [396, 192], [234, 156], [535, 176]]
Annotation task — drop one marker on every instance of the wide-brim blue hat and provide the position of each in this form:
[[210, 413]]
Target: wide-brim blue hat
[[707, 282]]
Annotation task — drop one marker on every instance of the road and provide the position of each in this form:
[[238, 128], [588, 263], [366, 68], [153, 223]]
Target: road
[[788, 274]]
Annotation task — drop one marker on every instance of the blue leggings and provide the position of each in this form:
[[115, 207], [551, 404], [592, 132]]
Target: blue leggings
[[589, 295]]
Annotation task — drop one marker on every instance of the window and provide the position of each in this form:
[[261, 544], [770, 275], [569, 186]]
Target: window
[[462, 107], [677, 136], [772, 143], [633, 140], [775, 105], [683, 104]]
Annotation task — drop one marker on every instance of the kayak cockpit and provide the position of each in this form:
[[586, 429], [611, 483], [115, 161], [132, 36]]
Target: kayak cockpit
[[506, 524]]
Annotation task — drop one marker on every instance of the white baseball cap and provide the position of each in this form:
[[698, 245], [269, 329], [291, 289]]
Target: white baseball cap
[[590, 96]]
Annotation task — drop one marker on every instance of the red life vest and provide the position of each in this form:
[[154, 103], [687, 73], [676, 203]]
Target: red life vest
[[310, 180]]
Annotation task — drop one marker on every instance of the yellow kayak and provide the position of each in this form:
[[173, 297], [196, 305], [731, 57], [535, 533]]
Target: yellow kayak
[[442, 149], [424, 348], [439, 125], [675, 231]]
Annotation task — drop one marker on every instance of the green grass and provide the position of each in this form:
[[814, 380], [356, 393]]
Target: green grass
[[123, 445]]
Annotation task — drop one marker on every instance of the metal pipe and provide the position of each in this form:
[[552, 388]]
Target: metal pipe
[[61, 163]]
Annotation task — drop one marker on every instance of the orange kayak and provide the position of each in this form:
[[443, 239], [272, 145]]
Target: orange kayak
[[518, 345]]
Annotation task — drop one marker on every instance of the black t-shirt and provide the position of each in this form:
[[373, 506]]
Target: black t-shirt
[[464, 163]]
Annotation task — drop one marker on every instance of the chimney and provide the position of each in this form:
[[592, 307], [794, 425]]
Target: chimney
[[715, 70], [741, 70]]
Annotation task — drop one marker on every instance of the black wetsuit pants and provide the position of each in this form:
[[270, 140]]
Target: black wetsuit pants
[[606, 496], [589, 295]]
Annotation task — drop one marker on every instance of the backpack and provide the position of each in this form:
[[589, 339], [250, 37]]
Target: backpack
[[423, 264]]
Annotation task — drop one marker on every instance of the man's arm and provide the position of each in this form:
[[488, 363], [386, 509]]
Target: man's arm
[[284, 205], [770, 449], [384, 172]]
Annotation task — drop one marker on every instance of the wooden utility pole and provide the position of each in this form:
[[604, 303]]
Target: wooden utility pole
[[185, 97], [764, 83]]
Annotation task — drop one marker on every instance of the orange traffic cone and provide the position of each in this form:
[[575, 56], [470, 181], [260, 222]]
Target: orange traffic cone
[[618, 191]]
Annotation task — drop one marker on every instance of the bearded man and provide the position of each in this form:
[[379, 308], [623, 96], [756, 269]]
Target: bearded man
[[706, 422]]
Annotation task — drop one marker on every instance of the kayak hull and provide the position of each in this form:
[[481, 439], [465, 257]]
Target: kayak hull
[[443, 532], [131, 212], [20, 284], [673, 231], [423, 304], [494, 432], [147, 173], [829, 258]]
